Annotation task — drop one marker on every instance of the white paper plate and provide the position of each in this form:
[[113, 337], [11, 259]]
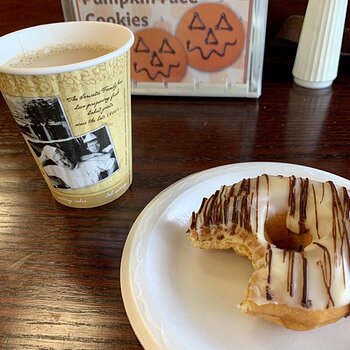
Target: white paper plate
[[178, 297]]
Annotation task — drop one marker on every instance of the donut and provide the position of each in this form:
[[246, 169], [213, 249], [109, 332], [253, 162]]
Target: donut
[[295, 231], [212, 35], [157, 56]]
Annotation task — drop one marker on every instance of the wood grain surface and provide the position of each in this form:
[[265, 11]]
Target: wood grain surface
[[60, 279]]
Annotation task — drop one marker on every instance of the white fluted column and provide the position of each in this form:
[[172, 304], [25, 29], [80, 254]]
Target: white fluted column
[[317, 59]]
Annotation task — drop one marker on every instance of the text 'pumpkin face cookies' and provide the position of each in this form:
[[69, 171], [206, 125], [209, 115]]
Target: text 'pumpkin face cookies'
[[157, 56], [213, 36]]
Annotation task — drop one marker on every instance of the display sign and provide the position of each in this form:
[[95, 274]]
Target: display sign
[[187, 47]]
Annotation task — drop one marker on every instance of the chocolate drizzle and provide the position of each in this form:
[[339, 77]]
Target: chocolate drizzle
[[269, 295], [305, 302], [291, 196], [316, 213], [268, 258], [243, 194], [257, 204], [335, 219], [193, 221], [215, 210], [210, 212], [235, 210], [340, 215], [244, 189], [193, 225], [321, 200], [290, 278], [284, 255], [304, 187], [326, 268], [268, 195], [346, 200], [269, 261]]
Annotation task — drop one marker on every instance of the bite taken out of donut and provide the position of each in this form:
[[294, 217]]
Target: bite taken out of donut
[[296, 233], [213, 36], [157, 56]]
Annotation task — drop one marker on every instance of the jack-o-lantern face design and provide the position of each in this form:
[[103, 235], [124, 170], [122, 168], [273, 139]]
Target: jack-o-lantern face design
[[213, 36], [157, 56]]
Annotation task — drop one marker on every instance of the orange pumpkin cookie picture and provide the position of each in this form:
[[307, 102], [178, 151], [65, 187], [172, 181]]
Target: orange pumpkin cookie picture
[[157, 56], [213, 36]]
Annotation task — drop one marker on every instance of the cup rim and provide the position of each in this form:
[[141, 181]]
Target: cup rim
[[74, 66]]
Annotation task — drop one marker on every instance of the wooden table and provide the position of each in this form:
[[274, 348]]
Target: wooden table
[[60, 278]]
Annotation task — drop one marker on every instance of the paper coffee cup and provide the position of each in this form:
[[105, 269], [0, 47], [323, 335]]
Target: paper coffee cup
[[75, 117]]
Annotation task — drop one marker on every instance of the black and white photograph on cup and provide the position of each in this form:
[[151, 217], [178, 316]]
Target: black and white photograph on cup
[[78, 162], [40, 118]]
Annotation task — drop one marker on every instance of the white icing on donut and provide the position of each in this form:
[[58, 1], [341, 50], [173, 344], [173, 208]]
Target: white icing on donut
[[316, 278]]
